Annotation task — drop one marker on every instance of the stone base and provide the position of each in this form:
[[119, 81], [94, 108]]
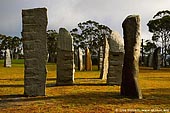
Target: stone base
[[114, 76], [65, 68], [34, 86]]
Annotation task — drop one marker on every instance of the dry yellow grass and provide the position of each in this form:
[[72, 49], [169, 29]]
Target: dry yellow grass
[[89, 95]]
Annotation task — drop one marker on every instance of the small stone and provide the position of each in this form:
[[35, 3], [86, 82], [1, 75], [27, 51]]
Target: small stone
[[7, 60]]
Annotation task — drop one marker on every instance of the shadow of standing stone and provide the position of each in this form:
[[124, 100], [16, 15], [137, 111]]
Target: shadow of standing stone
[[35, 50], [131, 31], [65, 58]]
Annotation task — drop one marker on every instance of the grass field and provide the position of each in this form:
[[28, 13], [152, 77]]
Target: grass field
[[89, 95]]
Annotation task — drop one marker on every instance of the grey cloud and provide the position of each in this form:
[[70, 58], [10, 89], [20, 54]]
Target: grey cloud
[[68, 13]]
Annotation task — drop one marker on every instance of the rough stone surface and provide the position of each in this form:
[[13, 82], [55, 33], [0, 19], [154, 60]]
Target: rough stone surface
[[150, 60], [157, 58], [75, 58], [35, 50], [116, 42], [7, 59], [105, 64], [65, 58], [80, 59], [100, 57], [132, 41], [88, 61], [116, 55]]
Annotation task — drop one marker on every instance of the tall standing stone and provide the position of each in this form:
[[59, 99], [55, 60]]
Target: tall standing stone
[[132, 41], [75, 58], [150, 60], [65, 58], [88, 61], [35, 50], [100, 57], [105, 63], [116, 55], [80, 59], [7, 59], [157, 58]]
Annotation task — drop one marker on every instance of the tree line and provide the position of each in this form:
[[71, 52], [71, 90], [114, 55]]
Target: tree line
[[14, 44], [159, 26], [90, 34]]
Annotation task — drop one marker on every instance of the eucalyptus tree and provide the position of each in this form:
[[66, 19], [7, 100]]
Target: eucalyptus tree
[[16, 47], [149, 46], [14, 44], [90, 34], [160, 27], [52, 36]]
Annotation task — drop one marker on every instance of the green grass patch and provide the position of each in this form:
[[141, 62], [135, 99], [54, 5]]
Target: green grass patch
[[14, 61], [18, 61]]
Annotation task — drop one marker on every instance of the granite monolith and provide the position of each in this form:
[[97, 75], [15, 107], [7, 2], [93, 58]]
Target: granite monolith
[[34, 35], [88, 61], [157, 58], [105, 63], [132, 41], [80, 59], [65, 58], [116, 55]]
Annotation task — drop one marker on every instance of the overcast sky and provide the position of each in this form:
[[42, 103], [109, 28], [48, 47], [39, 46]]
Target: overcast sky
[[68, 13]]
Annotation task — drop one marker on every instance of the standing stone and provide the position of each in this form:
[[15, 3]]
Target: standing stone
[[100, 57], [88, 61], [132, 41], [116, 55], [80, 59], [7, 59], [157, 58], [35, 50], [105, 64], [150, 60], [65, 58], [75, 58]]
